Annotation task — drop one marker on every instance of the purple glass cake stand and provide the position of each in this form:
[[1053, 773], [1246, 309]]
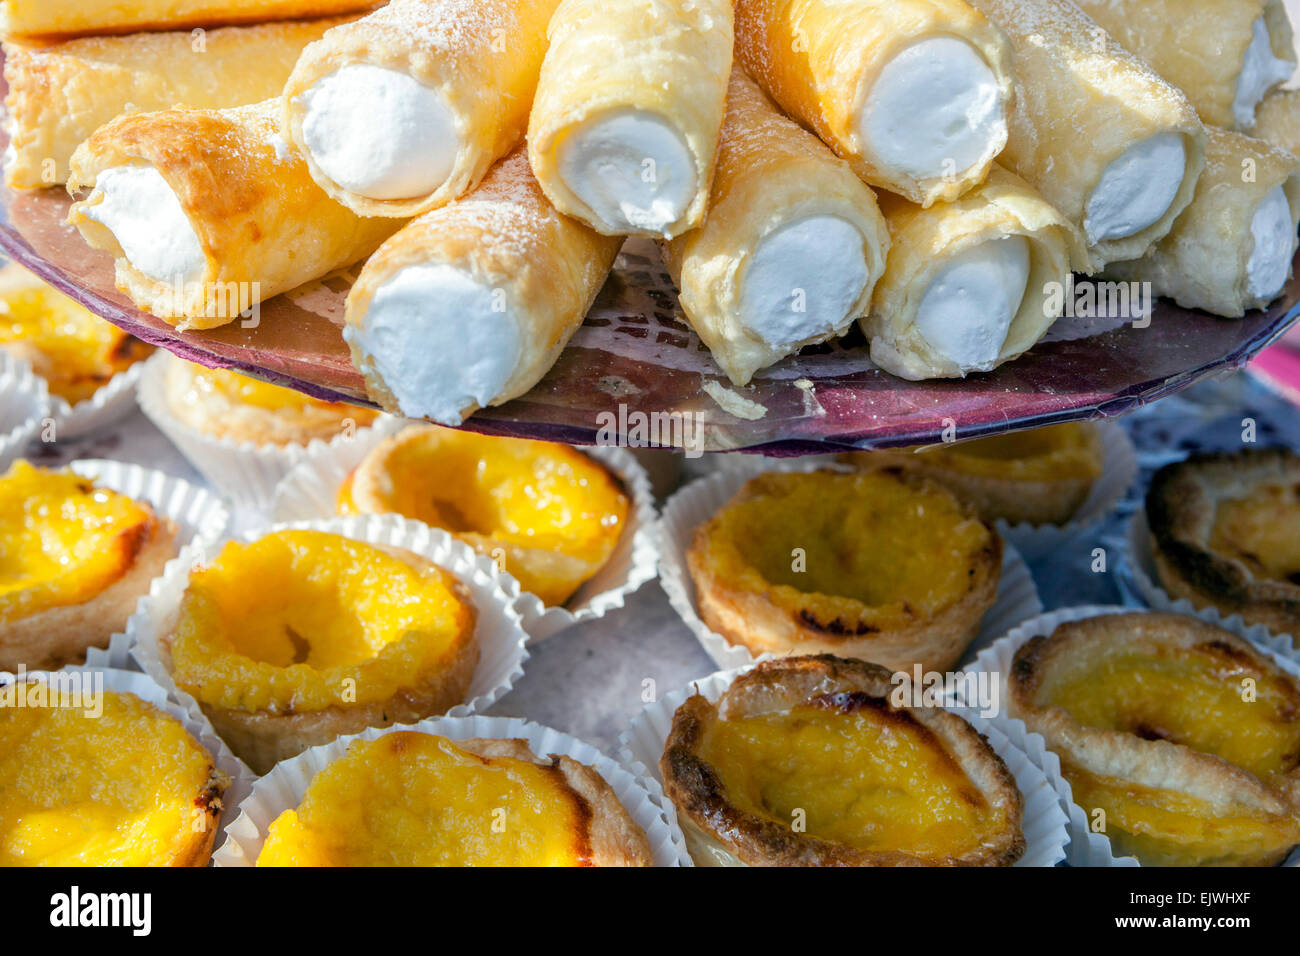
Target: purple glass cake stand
[[637, 366]]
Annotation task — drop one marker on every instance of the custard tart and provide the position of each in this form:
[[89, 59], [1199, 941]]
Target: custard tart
[[417, 799], [1038, 476], [225, 404], [807, 761], [1225, 533], [74, 560], [1181, 737], [879, 565], [74, 350], [128, 786], [299, 636], [546, 513]]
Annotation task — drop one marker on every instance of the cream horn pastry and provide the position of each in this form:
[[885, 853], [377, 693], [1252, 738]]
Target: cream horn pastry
[[1106, 141], [792, 246], [1277, 120], [1231, 250], [1225, 55], [405, 109], [209, 212], [66, 18], [61, 93], [630, 101], [969, 284], [913, 93], [470, 304]]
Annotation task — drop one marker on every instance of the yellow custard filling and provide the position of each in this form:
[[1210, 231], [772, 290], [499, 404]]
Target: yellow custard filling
[[74, 350], [414, 799], [304, 620], [124, 788], [500, 495], [1038, 454], [861, 776], [871, 546], [238, 389], [62, 540], [1262, 530]]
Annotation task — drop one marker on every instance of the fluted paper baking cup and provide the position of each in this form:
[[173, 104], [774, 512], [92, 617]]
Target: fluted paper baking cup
[[244, 471], [693, 505], [1044, 822], [112, 401], [144, 687], [1087, 848], [283, 788], [498, 629], [24, 405], [310, 492]]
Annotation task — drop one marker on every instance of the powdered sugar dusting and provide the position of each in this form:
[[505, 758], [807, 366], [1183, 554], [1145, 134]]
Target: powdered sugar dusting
[[444, 28]]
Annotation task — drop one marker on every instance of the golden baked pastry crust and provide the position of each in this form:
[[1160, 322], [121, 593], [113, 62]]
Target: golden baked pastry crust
[[1183, 505], [52, 635], [838, 686], [1040, 476], [582, 822], [1168, 802], [738, 601], [262, 733]]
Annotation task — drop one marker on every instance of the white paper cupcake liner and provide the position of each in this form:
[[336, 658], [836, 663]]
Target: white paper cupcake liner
[[1087, 848], [1140, 565], [1017, 597], [111, 402], [310, 492], [498, 628], [1118, 471], [24, 405], [244, 471], [144, 687], [283, 788], [1044, 822]]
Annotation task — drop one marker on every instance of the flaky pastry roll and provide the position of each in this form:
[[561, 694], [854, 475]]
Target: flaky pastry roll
[[65, 18], [625, 124], [913, 93], [1231, 250], [470, 304], [208, 212], [404, 110], [1105, 140], [969, 284], [60, 94], [792, 246], [1225, 55], [1277, 120]]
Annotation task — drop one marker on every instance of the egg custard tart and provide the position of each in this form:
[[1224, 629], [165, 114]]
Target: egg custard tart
[[74, 560], [225, 404], [879, 565], [546, 513], [806, 761], [1225, 533], [417, 799], [127, 786], [1183, 739], [1038, 476], [300, 636], [74, 350]]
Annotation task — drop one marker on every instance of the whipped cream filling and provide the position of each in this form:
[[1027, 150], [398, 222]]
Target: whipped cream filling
[[144, 215], [803, 279], [1260, 72], [1275, 240], [1137, 188], [379, 133], [633, 170], [969, 306], [439, 340], [935, 110]]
